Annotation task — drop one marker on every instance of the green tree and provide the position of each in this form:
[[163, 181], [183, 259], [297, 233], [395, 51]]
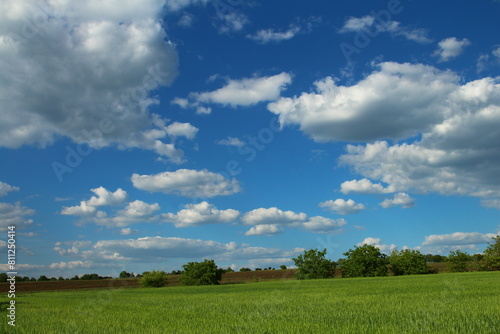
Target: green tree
[[125, 274], [457, 261], [3, 277], [364, 261], [491, 259], [245, 269], [313, 265], [408, 262], [42, 278], [154, 279], [201, 273], [283, 267]]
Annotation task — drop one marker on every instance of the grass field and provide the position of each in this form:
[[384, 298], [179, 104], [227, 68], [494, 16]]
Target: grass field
[[450, 303]]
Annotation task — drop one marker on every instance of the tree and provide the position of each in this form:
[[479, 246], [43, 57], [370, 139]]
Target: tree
[[313, 265], [245, 269], [154, 279], [3, 277], [60, 278], [364, 261], [457, 261], [125, 274], [201, 273], [283, 267], [408, 262], [491, 259], [42, 278]]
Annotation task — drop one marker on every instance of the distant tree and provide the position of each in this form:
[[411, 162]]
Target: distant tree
[[201, 273], [75, 278], [32, 279], [3, 277], [408, 262], [283, 267], [89, 277], [53, 279], [245, 269], [60, 278], [154, 279], [26, 279], [42, 278], [431, 258], [313, 264], [176, 272], [258, 269], [491, 259], [124, 274], [457, 261], [364, 261], [228, 270]]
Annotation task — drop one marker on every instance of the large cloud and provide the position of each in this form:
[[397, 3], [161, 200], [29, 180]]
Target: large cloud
[[77, 79], [187, 182]]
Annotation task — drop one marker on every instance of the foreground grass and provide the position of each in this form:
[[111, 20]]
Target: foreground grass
[[452, 303]]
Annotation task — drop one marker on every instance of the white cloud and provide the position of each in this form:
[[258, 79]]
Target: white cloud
[[186, 182], [133, 213], [80, 210], [72, 265], [402, 199], [342, 206], [396, 101], [247, 91], [264, 229], [177, 129], [200, 214], [368, 24], [364, 186], [232, 21], [491, 203], [75, 43], [6, 188], [458, 238], [176, 5], [496, 52], [104, 198], [14, 214], [320, 224], [273, 216], [265, 36], [231, 141], [450, 48], [377, 242], [128, 231]]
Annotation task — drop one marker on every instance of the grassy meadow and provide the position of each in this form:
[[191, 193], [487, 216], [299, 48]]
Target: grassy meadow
[[450, 303]]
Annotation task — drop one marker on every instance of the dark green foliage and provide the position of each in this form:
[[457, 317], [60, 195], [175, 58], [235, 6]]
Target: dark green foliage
[[283, 267], [258, 269], [60, 278], [457, 261], [364, 261], [89, 277], [245, 269], [430, 258], [313, 265], [491, 259], [3, 277], [408, 262], [42, 278], [125, 274], [201, 273], [154, 279]]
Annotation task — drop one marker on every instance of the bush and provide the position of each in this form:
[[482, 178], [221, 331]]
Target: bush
[[313, 265], [154, 279], [457, 261], [245, 269], [491, 259], [364, 261], [408, 262], [201, 273], [283, 267]]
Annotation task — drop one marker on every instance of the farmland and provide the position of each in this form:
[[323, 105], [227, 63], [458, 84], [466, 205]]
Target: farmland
[[451, 303]]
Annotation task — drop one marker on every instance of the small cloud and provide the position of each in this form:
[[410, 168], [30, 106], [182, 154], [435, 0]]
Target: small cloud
[[186, 20], [342, 206], [266, 36], [128, 231], [450, 48], [266, 229], [6, 188], [231, 141], [402, 199]]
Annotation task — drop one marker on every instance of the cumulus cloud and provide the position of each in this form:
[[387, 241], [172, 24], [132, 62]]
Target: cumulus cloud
[[320, 224], [396, 101], [6, 188], [364, 186], [264, 229], [377, 242], [273, 216], [231, 141], [177, 129], [368, 24], [401, 199], [231, 21], [186, 182], [458, 238], [83, 86], [265, 36], [491, 203], [128, 231], [247, 91], [14, 214], [104, 198], [201, 214], [450, 48], [342, 206]]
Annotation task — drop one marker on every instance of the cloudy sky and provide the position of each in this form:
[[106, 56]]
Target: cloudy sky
[[139, 135]]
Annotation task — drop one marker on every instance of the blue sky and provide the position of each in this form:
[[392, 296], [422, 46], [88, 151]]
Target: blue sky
[[139, 135]]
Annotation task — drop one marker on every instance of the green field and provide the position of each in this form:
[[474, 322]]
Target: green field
[[450, 303]]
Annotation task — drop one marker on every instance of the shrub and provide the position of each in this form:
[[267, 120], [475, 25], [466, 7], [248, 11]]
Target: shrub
[[154, 279], [201, 273], [457, 261], [408, 262], [313, 265], [491, 259]]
